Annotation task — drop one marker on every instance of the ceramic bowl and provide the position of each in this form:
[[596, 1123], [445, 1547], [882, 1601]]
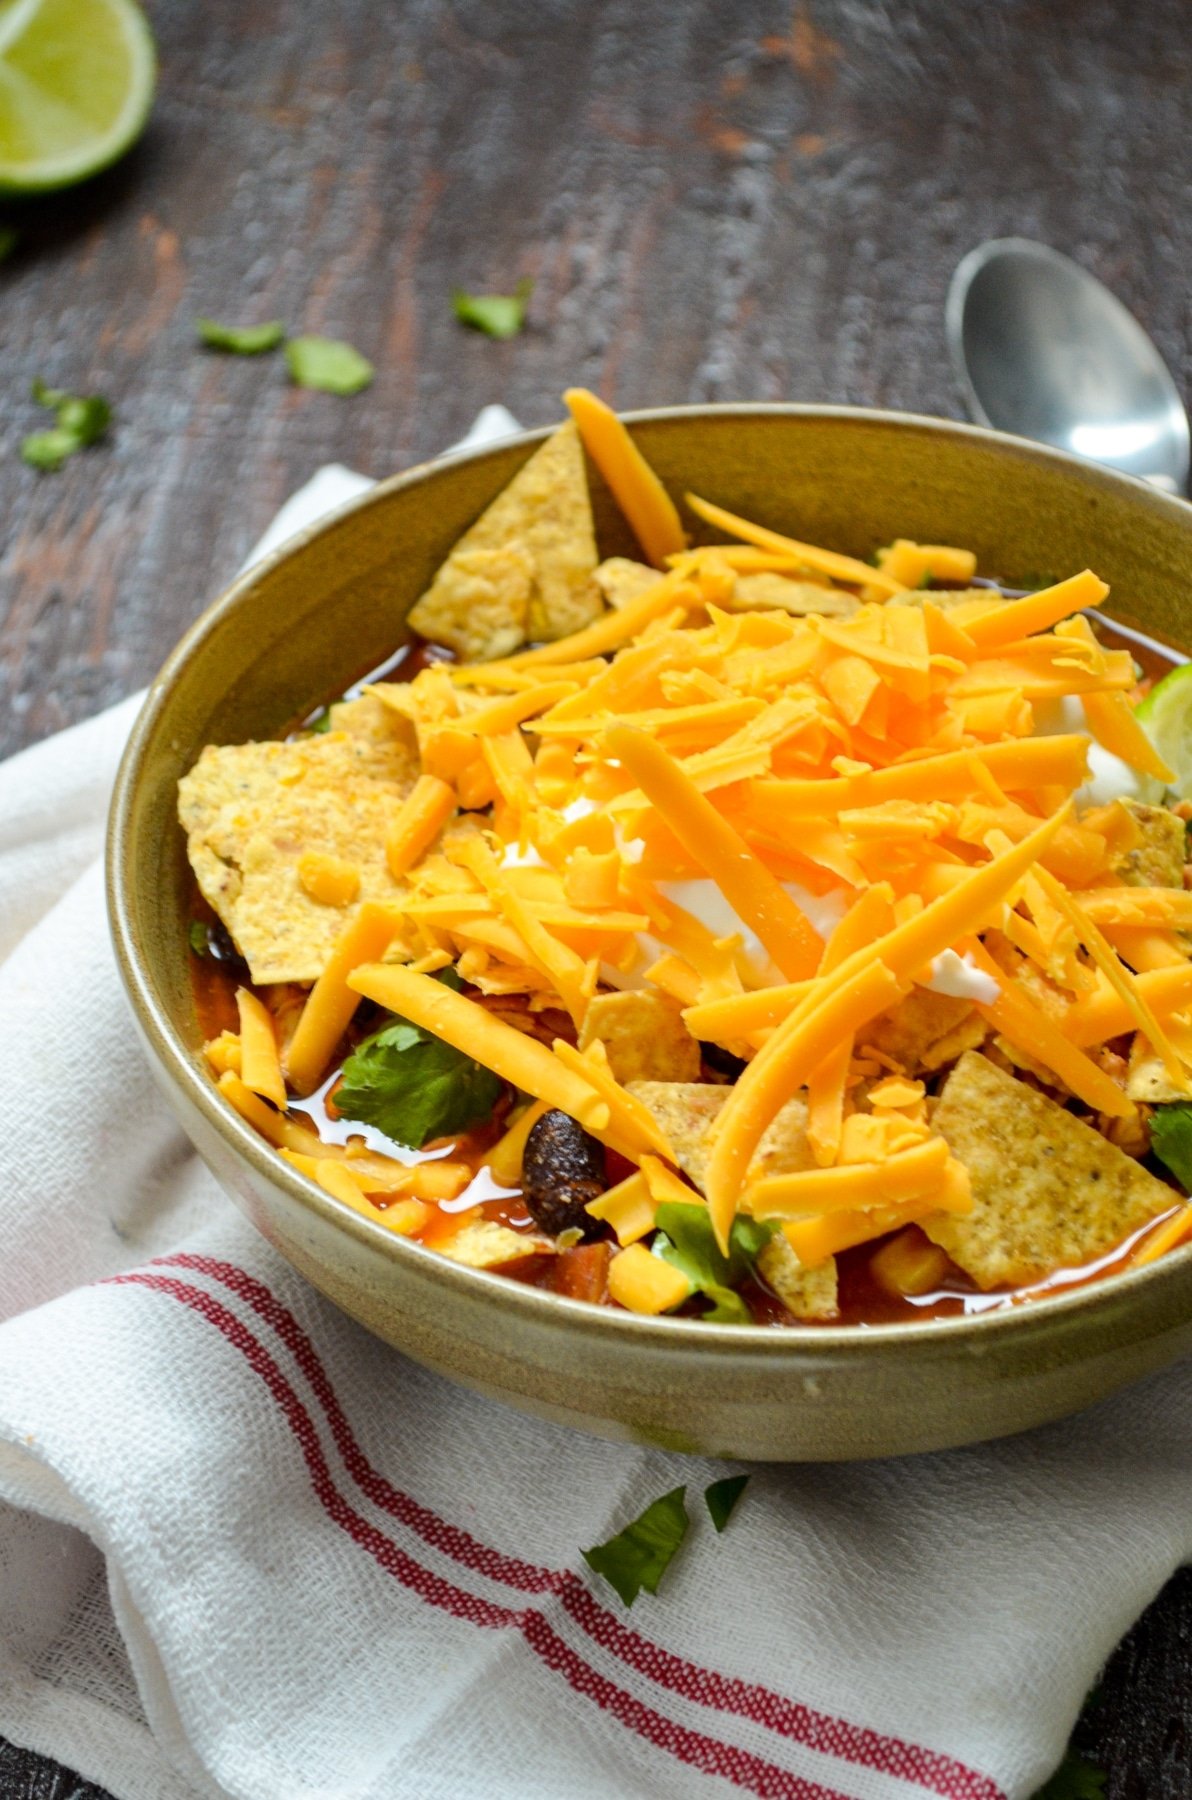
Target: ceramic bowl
[[308, 620]]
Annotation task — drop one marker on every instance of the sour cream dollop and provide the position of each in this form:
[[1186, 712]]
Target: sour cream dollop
[[960, 977], [705, 902], [1109, 777]]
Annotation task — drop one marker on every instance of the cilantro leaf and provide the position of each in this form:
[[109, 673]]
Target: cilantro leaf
[[328, 365], [1171, 1140], [81, 420], [319, 721], [727, 1307], [497, 315], [1075, 1779], [722, 1496], [241, 340], [413, 1086], [48, 396], [49, 449], [85, 418], [10, 237], [639, 1556], [687, 1241], [199, 941]]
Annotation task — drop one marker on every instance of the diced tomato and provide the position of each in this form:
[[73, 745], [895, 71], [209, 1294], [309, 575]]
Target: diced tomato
[[582, 1273]]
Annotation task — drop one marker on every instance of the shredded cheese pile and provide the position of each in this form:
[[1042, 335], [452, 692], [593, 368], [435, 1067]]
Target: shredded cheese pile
[[885, 764], [887, 758]]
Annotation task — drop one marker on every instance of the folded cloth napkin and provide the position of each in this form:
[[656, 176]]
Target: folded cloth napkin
[[247, 1550]]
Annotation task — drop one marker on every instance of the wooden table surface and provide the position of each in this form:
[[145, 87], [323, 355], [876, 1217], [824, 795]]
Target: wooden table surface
[[714, 203]]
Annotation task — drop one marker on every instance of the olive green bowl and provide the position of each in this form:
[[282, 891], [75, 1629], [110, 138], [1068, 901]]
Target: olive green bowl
[[306, 621]]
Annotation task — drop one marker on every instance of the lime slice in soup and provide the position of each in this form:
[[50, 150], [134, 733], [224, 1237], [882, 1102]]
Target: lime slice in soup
[[1166, 717]]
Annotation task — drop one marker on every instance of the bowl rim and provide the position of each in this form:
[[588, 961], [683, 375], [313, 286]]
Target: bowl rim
[[795, 1344]]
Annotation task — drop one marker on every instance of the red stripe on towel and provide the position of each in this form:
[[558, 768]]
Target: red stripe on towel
[[833, 1736], [711, 1755]]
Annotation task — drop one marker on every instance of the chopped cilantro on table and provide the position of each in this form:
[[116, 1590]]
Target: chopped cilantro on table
[[721, 1498], [1171, 1140], [328, 365], [686, 1240], [497, 315], [81, 419], [413, 1086], [639, 1556], [241, 340]]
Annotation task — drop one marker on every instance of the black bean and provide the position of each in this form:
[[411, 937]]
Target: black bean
[[562, 1169], [221, 946]]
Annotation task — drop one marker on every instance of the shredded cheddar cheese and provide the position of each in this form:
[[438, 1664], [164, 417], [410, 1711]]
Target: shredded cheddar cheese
[[775, 804]]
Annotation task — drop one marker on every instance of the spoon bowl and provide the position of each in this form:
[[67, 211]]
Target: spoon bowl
[[1042, 349]]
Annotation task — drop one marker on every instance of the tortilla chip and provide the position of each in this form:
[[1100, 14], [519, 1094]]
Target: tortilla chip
[[644, 1036], [925, 1030], [1147, 1078], [1048, 1191], [685, 1110], [944, 598], [1158, 861], [523, 570], [621, 580], [251, 811], [970, 1034], [809, 1291], [480, 603], [372, 722], [779, 592], [487, 1245]]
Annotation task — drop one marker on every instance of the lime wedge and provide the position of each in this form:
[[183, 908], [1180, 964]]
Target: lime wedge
[[76, 85], [1166, 717]]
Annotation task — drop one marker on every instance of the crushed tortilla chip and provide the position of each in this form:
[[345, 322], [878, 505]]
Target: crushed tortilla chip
[[925, 1031], [809, 1291], [621, 580], [644, 1036], [686, 1109], [1147, 1079], [1049, 1192], [523, 570], [944, 598], [486, 1244], [371, 722], [252, 811], [1158, 861], [766, 590]]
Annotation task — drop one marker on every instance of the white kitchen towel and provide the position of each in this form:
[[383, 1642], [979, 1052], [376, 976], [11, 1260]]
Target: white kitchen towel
[[246, 1550]]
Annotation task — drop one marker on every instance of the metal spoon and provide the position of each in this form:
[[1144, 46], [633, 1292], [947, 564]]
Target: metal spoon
[[1043, 349]]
